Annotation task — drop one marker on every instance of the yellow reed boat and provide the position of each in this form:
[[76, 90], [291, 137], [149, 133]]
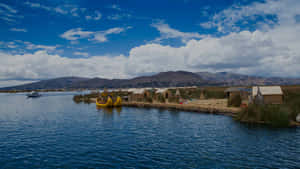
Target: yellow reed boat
[[109, 103], [118, 102]]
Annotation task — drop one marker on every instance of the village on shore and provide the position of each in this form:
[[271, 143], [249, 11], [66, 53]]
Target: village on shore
[[274, 105]]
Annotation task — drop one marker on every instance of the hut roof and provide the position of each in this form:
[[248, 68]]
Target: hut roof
[[177, 93], [138, 91], [267, 90], [161, 90]]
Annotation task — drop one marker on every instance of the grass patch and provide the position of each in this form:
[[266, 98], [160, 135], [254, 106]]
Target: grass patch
[[275, 115]]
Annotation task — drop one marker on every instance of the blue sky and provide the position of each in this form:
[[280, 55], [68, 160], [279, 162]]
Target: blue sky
[[128, 38], [45, 22]]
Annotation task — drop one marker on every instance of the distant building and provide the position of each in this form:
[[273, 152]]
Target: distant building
[[136, 94], [267, 94], [234, 91], [163, 92], [177, 93]]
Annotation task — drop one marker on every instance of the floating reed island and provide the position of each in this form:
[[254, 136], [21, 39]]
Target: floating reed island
[[271, 105]]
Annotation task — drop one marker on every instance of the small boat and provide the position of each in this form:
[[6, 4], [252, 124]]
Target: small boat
[[118, 102], [34, 94], [109, 103]]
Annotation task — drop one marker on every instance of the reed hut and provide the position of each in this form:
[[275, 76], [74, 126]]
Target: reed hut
[[163, 93], [140, 94], [177, 94], [234, 92], [136, 94], [267, 94], [237, 91]]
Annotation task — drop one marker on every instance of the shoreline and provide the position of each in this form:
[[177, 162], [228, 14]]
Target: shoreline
[[183, 107], [228, 111]]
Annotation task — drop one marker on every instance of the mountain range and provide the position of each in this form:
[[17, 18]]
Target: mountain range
[[163, 79]]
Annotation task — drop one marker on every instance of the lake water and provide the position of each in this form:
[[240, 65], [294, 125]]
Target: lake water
[[54, 132]]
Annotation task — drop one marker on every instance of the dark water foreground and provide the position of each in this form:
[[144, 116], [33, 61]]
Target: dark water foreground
[[54, 132]]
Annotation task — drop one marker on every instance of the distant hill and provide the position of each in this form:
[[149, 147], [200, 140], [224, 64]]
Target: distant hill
[[58, 83], [163, 79], [233, 79]]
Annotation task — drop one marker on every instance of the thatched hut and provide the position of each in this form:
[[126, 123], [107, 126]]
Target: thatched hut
[[162, 94], [234, 91], [177, 94], [136, 94], [267, 95]]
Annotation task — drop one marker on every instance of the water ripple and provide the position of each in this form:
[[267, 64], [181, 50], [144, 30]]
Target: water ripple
[[54, 132]]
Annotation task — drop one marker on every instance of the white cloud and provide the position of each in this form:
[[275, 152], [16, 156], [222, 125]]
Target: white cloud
[[230, 19], [75, 34], [20, 46], [41, 65], [71, 10], [119, 16], [85, 54], [8, 8], [18, 30], [273, 51], [99, 36], [88, 17], [10, 45], [38, 5], [166, 32], [256, 53], [8, 13], [97, 16], [31, 46]]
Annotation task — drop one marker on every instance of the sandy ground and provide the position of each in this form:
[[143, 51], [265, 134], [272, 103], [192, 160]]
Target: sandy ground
[[212, 103]]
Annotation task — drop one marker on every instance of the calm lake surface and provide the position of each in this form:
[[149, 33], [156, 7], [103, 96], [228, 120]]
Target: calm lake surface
[[54, 132]]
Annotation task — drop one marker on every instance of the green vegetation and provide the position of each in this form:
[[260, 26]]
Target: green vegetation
[[149, 99], [214, 94], [173, 99], [161, 98], [292, 100], [275, 115], [85, 98]]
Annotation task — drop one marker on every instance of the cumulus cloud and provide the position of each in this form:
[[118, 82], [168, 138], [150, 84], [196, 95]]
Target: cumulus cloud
[[42, 65], [98, 36], [273, 51], [167, 32], [256, 53]]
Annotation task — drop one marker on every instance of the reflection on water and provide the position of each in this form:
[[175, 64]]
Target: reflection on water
[[109, 109], [54, 132]]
